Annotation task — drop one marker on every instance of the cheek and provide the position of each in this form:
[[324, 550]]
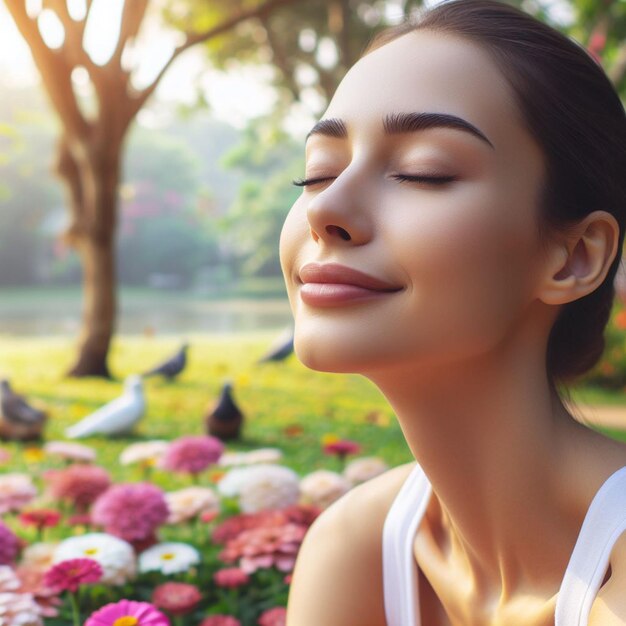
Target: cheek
[[292, 239]]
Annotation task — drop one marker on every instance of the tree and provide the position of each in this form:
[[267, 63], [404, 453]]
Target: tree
[[90, 146]]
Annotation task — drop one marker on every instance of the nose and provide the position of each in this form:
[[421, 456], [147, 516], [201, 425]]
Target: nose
[[338, 215]]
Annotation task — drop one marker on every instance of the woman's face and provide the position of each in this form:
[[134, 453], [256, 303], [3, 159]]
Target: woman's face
[[451, 261]]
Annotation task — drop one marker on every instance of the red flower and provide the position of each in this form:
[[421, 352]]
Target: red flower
[[230, 577], [41, 518], [71, 574], [177, 598], [220, 620], [276, 616], [342, 447]]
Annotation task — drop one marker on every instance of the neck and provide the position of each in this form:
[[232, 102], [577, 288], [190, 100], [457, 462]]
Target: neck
[[496, 444]]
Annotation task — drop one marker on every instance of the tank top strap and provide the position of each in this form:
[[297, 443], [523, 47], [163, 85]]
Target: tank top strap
[[604, 522], [399, 568]]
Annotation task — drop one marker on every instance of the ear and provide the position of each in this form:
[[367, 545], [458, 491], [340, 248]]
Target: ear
[[579, 262]]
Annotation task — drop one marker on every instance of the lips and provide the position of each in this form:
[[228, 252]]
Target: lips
[[333, 273]]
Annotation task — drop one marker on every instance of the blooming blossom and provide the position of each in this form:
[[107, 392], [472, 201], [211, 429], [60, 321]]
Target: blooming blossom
[[261, 455], [70, 451], [185, 504], [192, 455], [145, 452], [9, 545], [115, 555], [176, 598], [363, 469], [136, 614], [130, 511], [276, 616], [40, 518], [16, 491], [79, 485], [230, 577], [169, 558], [71, 574], [38, 556], [341, 447], [16, 607], [322, 487], [269, 487]]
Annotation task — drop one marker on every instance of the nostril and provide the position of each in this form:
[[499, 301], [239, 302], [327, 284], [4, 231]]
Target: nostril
[[339, 231]]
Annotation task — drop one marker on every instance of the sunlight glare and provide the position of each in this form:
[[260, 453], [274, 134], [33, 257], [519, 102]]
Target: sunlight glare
[[103, 29], [33, 8], [51, 29]]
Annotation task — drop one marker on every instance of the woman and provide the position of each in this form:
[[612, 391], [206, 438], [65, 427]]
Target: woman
[[456, 241]]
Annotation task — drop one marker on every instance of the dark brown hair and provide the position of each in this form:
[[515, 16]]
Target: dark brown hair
[[572, 109]]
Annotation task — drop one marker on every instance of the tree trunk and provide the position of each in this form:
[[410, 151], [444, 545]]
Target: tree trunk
[[91, 176]]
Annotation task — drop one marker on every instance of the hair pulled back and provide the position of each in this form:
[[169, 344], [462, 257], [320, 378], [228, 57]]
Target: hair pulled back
[[571, 108]]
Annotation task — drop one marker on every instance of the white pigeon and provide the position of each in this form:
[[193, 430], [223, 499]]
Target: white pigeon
[[117, 417]]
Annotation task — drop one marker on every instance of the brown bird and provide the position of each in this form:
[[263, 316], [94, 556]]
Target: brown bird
[[225, 419], [18, 420]]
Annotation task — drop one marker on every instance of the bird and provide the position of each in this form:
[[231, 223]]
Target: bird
[[18, 420], [225, 419], [117, 417], [280, 349], [172, 367]]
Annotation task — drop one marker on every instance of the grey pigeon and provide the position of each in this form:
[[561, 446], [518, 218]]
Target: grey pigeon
[[280, 350], [18, 420], [172, 367], [224, 420], [117, 417]]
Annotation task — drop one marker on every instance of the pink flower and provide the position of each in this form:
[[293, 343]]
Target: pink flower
[[342, 447], [71, 574], [16, 491], [192, 455], [145, 614], [265, 547], [41, 518], [78, 484], [71, 451], [220, 620], [176, 598], [131, 511], [276, 616], [230, 577], [9, 545]]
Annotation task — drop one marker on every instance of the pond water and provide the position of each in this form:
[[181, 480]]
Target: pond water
[[170, 315]]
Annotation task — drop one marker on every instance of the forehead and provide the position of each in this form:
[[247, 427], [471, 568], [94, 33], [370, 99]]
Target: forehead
[[426, 71]]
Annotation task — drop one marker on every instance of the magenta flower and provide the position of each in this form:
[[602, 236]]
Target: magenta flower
[[342, 447], [9, 545], [79, 484], [131, 511], [136, 613], [230, 577], [192, 455], [176, 598], [71, 574], [276, 616], [220, 620]]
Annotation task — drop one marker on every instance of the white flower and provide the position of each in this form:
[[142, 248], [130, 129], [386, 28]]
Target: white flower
[[16, 491], [268, 487], [262, 455], [115, 555], [185, 504], [71, 451], [322, 487], [144, 452], [362, 469], [168, 558], [16, 609], [39, 556], [231, 483]]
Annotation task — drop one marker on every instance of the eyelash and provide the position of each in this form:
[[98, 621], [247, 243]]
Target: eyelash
[[435, 180]]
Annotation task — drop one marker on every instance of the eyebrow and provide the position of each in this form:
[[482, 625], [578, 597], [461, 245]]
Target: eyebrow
[[398, 123]]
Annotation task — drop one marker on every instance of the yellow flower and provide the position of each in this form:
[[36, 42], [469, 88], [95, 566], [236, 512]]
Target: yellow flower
[[34, 455], [329, 438]]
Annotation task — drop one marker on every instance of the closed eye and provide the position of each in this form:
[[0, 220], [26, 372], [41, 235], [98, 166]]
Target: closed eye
[[413, 178]]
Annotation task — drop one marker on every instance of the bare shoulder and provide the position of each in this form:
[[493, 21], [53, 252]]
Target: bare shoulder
[[609, 606], [337, 578]]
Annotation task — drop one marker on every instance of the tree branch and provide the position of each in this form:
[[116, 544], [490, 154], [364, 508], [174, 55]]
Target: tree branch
[[196, 38], [133, 15]]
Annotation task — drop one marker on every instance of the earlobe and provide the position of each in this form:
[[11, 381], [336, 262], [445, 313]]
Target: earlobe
[[583, 261]]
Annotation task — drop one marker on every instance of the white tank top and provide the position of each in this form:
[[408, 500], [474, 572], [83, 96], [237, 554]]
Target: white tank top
[[603, 524]]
